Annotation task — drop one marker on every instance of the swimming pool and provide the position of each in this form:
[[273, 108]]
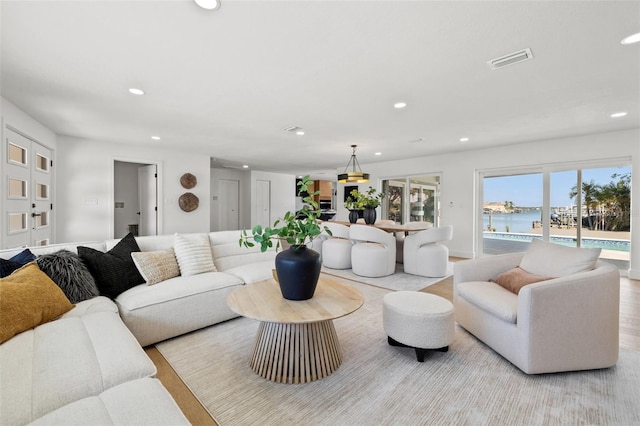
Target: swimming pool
[[604, 244]]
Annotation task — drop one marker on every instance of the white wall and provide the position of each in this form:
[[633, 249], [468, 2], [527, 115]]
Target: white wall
[[126, 191], [244, 177], [85, 176], [459, 173], [283, 193], [19, 120]]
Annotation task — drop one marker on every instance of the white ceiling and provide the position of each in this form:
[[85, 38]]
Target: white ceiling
[[226, 83]]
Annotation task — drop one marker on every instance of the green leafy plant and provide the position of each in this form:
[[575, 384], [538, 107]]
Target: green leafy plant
[[297, 229], [371, 199], [359, 201], [355, 201]]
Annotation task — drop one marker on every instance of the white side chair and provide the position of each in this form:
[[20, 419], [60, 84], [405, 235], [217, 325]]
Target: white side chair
[[374, 252], [336, 249], [400, 238], [424, 254]]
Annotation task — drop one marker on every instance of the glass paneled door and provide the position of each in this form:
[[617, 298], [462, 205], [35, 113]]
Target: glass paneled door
[[412, 199], [27, 207], [578, 207]]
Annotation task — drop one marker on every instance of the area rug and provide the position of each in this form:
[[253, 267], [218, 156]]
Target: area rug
[[398, 281], [382, 385]]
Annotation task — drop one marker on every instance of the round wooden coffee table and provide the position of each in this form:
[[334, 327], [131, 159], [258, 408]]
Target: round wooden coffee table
[[296, 341]]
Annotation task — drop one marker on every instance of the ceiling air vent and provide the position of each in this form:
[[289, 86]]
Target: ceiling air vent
[[512, 58]]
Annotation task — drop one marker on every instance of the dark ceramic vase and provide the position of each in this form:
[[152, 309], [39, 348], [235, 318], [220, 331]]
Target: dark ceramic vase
[[370, 215], [353, 216], [298, 270]]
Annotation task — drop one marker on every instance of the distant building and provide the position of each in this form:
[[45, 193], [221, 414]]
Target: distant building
[[493, 207]]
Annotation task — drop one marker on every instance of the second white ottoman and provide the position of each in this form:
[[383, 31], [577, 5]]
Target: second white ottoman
[[418, 320]]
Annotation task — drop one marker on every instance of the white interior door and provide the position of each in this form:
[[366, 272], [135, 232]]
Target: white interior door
[[148, 196], [41, 206], [263, 202], [27, 211], [229, 205]]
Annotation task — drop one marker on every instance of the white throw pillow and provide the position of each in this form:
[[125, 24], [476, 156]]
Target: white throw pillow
[[156, 266], [193, 253], [554, 260]]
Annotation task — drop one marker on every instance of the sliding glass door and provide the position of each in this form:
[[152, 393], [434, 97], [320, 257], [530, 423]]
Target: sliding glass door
[[577, 207], [412, 199]]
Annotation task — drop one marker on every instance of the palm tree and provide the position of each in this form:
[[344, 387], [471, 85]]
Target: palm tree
[[590, 195], [508, 206]]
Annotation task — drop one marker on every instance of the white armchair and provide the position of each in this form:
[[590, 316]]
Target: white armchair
[[336, 249], [400, 236], [374, 252], [561, 324], [425, 255]]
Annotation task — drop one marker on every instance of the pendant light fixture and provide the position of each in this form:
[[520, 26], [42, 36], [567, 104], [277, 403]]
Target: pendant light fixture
[[354, 176]]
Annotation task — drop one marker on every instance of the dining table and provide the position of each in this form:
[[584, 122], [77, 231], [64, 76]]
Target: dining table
[[414, 227]]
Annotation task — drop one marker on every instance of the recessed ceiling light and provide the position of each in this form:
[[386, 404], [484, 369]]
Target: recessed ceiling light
[[135, 91], [208, 4], [244, 166], [633, 38], [464, 139], [378, 153], [618, 114], [399, 105], [155, 138], [300, 132]]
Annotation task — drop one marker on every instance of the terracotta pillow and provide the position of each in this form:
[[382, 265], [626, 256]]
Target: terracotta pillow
[[516, 278], [29, 298]]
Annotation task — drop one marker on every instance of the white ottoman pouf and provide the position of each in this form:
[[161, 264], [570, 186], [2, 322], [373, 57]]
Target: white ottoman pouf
[[336, 253], [418, 320]]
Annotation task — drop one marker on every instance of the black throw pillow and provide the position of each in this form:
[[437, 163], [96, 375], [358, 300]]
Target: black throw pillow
[[67, 270], [114, 271], [7, 267]]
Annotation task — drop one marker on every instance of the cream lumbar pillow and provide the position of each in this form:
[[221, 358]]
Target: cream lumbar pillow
[[193, 253], [156, 266], [553, 260]]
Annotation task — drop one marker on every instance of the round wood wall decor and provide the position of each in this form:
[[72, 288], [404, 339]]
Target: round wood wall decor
[[188, 181], [188, 202]]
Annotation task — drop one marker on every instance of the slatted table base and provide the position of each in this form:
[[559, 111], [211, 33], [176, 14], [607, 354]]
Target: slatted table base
[[296, 353]]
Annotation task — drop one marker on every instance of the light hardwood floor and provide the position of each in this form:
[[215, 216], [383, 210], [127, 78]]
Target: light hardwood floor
[[198, 415]]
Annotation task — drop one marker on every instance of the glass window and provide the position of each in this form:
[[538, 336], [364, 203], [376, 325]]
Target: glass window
[[42, 191], [17, 222], [588, 207], [17, 188], [42, 163], [42, 219], [412, 199], [17, 154]]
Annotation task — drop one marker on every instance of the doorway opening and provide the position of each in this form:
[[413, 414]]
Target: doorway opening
[[135, 195]]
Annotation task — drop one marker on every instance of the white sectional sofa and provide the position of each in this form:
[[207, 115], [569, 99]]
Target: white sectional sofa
[[88, 366]]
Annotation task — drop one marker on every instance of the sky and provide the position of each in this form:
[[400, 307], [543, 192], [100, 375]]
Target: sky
[[526, 190]]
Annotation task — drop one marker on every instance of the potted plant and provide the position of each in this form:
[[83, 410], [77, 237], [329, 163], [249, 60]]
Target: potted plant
[[297, 268], [354, 203], [371, 200]]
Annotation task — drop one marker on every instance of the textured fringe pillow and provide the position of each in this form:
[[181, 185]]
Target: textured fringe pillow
[[156, 266], [29, 298], [193, 253], [67, 270]]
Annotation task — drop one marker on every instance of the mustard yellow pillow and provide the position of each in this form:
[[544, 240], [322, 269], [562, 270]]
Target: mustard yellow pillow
[[29, 298]]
